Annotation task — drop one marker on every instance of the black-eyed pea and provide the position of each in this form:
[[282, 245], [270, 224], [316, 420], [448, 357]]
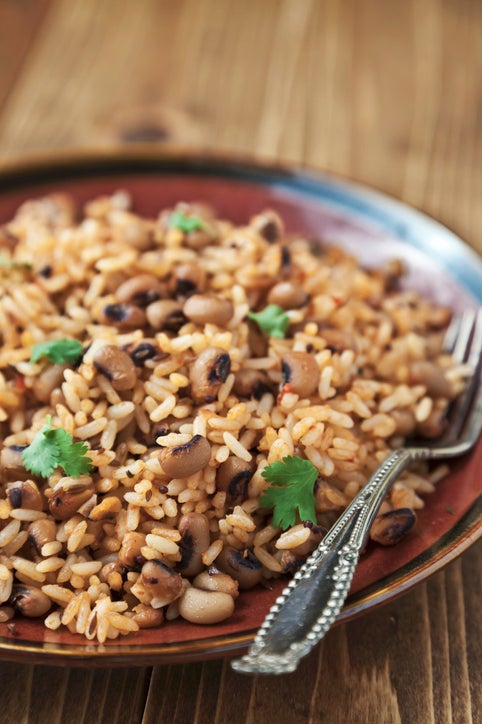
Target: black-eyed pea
[[65, 502], [187, 279], [288, 295], [47, 381], [11, 463], [251, 383], [194, 529], [112, 573], [300, 370], [148, 617], [208, 372], [269, 225], [208, 309], [423, 372], [117, 366], [123, 316], [389, 528], [29, 600], [185, 460], [40, 532], [165, 315], [233, 476], [205, 607], [24, 494], [243, 566], [130, 551], [140, 290], [107, 508], [404, 420], [220, 582], [162, 582]]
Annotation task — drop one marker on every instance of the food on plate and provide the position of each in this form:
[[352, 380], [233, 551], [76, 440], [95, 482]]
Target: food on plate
[[186, 405]]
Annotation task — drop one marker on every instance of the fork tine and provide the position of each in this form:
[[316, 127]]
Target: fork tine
[[462, 334]]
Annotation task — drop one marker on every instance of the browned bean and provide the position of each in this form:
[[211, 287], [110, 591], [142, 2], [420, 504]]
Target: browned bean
[[47, 381], [208, 309], [112, 574], [426, 373], [208, 373], [148, 617], [257, 340], [142, 351], [29, 600], [11, 463], [40, 532], [165, 315], [123, 316], [288, 295], [184, 460], [269, 225], [389, 528], [187, 279], [251, 383], [404, 420], [162, 582], [130, 551], [244, 568], [233, 476], [24, 494], [141, 290], [435, 423], [217, 582], [194, 529], [63, 503], [117, 366], [301, 372], [205, 607]]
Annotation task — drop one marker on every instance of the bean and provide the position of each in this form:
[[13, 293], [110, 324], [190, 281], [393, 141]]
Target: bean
[[24, 494], [251, 383], [140, 290], [112, 573], [142, 351], [205, 607], [435, 424], [208, 373], [428, 374], [29, 600], [257, 340], [41, 532], [288, 295], [208, 309], [166, 315], [194, 529], [220, 582], [117, 366], [123, 316], [233, 476], [47, 381], [11, 463], [187, 279], [148, 617], [185, 460], [301, 372], [389, 528], [246, 569], [269, 225], [162, 582], [404, 420], [63, 503], [130, 551]]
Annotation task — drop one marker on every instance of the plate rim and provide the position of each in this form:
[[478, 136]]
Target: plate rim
[[467, 529]]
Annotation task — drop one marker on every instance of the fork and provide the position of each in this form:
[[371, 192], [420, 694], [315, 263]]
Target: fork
[[309, 605]]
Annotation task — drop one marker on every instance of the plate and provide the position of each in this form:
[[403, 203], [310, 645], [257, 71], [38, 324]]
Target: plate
[[364, 222]]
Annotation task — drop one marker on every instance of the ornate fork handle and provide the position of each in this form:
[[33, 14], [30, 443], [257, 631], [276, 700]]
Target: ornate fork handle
[[309, 605]]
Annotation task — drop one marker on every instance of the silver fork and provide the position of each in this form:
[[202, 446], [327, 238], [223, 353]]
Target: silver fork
[[309, 605]]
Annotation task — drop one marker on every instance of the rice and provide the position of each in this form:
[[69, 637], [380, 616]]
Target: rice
[[124, 542]]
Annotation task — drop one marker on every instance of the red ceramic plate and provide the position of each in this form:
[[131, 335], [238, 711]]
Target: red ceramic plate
[[368, 224]]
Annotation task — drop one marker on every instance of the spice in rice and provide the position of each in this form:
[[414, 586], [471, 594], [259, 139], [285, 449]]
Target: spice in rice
[[208, 353]]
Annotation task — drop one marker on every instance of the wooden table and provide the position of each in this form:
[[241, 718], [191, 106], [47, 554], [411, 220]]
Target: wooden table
[[386, 92]]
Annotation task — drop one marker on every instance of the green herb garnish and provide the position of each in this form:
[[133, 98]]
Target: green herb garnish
[[272, 319], [14, 264], [54, 447], [58, 351], [185, 223], [291, 491]]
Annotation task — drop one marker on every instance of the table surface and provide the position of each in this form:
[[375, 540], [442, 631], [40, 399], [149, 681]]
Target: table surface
[[382, 91]]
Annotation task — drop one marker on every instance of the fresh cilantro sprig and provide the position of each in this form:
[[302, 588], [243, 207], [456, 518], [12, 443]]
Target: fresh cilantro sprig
[[272, 319], [57, 350], [53, 448], [291, 491], [185, 223]]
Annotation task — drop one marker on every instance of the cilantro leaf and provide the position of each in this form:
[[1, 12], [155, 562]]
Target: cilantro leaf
[[292, 490], [57, 350], [185, 223], [54, 447], [272, 319]]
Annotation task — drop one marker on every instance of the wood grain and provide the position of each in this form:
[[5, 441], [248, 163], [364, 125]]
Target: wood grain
[[382, 91]]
